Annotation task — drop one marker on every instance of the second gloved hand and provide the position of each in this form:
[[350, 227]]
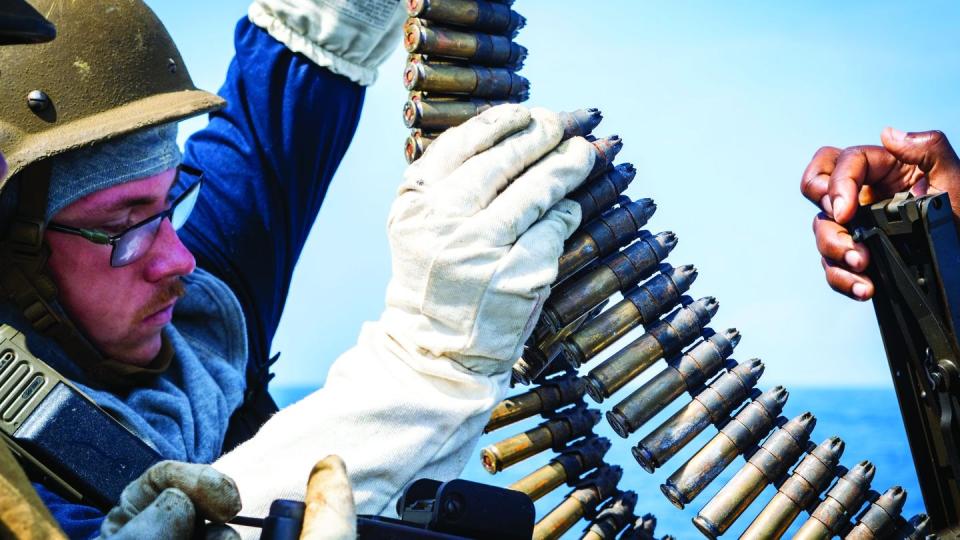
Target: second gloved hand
[[476, 232], [165, 500]]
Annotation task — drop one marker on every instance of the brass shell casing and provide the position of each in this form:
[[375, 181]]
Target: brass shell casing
[[841, 502], [565, 468], [415, 145], [598, 195], [477, 48], [560, 520], [581, 501], [604, 235], [666, 337], [541, 481], [492, 17], [553, 433], [798, 492], [710, 406], [640, 306], [744, 430], [440, 115], [542, 399], [618, 272], [765, 466], [682, 374], [477, 81]]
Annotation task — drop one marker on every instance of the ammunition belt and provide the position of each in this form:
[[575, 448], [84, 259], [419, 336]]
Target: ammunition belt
[[463, 60]]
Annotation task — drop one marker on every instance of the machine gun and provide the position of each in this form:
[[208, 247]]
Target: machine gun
[[428, 510], [915, 264]]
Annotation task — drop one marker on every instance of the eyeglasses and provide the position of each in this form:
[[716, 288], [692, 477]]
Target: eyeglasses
[[135, 241]]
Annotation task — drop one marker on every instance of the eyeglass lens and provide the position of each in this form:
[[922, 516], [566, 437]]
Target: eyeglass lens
[[137, 241]]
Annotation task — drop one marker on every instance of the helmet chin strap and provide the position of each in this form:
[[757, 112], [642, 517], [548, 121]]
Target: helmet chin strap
[[24, 282]]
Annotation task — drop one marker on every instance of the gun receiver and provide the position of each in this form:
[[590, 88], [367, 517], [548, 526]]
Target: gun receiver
[[915, 265], [60, 434]]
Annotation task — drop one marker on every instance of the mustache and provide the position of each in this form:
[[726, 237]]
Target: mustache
[[171, 291]]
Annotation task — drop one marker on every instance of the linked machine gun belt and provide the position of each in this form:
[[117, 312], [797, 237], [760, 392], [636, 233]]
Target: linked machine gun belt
[[463, 60]]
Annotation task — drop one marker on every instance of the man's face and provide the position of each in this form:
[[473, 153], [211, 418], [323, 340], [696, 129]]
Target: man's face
[[121, 310]]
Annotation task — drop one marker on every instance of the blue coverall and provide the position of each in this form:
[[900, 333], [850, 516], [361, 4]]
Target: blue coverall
[[267, 158]]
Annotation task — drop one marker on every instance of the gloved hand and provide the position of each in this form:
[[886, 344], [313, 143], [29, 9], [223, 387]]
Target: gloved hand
[[475, 237], [330, 513], [349, 37], [165, 500], [476, 233]]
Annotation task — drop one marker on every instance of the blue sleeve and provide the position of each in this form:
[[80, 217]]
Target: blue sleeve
[[268, 158], [76, 520]]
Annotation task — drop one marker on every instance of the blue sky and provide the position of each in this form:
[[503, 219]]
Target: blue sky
[[720, 105]]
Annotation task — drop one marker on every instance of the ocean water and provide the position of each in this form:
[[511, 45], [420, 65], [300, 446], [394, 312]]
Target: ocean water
[[868, 420]]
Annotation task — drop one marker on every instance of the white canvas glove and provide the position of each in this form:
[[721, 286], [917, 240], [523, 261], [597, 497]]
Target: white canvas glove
[[348, 37], [476, 233], [165, 500], [475, 246]]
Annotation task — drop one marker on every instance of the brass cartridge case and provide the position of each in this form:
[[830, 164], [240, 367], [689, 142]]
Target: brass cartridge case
[[492, 17], [415, 145], [841, 502], [543, 399], [554, 433], [582, 501], [420, 37], [877, 521], [477, 81], [433, 113], [439, 115], [615, 515], [560, 520], [744, 430], [690, 370], [798, 492], [598, 195], [765, 466], [710, 406], [619, 272], [916, 528], [666, 337], [606, 149], [604, 235], [566, 468], [641, 305], [541, 481]]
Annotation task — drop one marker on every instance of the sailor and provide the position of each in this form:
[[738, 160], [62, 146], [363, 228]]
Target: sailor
[[839, 180], [166, 322]]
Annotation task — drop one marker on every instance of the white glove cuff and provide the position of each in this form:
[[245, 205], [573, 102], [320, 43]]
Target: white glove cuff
[[348, 37]]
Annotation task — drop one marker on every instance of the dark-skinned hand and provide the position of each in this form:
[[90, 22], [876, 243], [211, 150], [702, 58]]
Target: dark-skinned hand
[[839, 180]]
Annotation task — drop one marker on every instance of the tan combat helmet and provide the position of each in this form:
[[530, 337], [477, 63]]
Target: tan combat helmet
[[113, 69]]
